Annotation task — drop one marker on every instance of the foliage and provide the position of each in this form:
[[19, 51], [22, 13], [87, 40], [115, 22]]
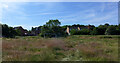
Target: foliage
[[8, 31], [19, 32], [73, 32], [94, 31], [80, 32], [52, 23], [52, 29], [84, 32], [102, 29], [106, 29], [111, 30]]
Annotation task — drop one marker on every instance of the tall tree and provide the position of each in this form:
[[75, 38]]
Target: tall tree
[[111, 30], [52, 23], [8, 31], [52, 28]]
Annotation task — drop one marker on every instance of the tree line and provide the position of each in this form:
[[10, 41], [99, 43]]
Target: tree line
[[105, 29], [52, 28]]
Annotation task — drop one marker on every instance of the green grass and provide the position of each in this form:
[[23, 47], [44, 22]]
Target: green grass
[[71, 48]]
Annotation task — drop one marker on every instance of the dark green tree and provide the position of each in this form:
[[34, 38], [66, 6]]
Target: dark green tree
[[5, 30], [102, 29], [8, 32], [80, 32], [95, 31], [52, 23], [106, 24], [19, 32], [111, 30], [52, 29], [74, 32]]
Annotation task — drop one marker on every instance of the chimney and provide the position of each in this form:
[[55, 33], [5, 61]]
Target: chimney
[[68, 30]]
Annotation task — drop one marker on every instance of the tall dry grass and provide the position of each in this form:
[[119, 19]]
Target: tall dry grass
[[82, 48]]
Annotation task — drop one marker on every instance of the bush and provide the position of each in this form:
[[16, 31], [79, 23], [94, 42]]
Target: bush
[[80, 32], [74, 32], [98, 31], [111, 30], [55, 31], [94, 31], [84, 32]]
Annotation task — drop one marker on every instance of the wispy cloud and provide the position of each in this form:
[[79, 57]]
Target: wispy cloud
[[38, 13], [42, 13], [92, 16], [5, 6], [102, 7], [78, 17], [102, 19], [11, 8]]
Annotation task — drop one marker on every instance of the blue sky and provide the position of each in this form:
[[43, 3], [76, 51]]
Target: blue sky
[[31, 14]]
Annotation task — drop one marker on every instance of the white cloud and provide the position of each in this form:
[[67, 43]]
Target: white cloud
[[89, 17], [101, 19], [5, 6], [47, 13], [41, 13], [12, 7], [75, 17]]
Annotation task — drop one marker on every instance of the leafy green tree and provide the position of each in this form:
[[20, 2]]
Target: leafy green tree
[[52, 23], [8, 31], [77, 25], [102, 29], [45, 30], [118, 29], [95, 31], [111, 30], [74, 32], [12, 32], [52, 28], [92, 27], [19, 32], [85, 32], [5, 30], [106, 24], [80, 32]]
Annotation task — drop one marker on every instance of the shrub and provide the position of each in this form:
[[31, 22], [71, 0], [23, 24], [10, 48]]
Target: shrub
[[111, 30], [84, 32], [80, 32], [98, 31]]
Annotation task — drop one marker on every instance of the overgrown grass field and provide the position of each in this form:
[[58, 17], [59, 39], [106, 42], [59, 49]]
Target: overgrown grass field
[[71, 48]]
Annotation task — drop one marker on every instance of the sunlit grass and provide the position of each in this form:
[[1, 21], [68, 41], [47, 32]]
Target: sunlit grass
[[71, 48]]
